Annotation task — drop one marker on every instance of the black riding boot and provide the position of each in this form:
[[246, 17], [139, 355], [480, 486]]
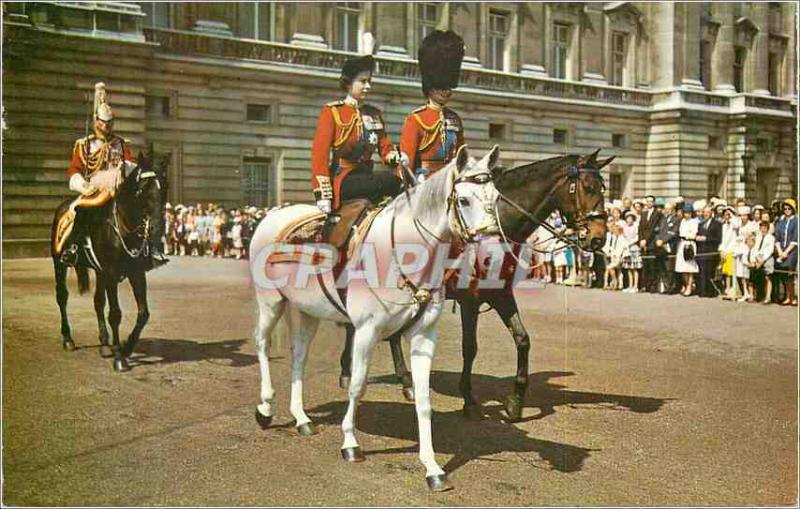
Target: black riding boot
[[157, 257], [69, 256]]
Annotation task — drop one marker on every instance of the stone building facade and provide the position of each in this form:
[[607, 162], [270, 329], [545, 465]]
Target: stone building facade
[[693, 98]]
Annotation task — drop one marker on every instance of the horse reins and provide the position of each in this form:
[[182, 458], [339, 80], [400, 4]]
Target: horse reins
[[581, 219], [144, 226]]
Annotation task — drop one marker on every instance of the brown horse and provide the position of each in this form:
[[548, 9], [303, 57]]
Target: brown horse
[[528, 194], [119, 234]]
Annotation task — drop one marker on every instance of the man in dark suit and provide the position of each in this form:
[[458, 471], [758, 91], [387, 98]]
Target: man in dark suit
[[709, 235], [666, 247], [648, 229]]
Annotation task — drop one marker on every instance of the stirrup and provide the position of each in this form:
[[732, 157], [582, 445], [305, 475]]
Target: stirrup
[[70, 255]]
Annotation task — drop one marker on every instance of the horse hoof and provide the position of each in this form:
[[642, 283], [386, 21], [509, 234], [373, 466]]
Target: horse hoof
[[106, 352], [353, 455], [307, 429], [263, 420], [438, 483], [408, 393], [473, 412], [344, 382], [513, 408], [68, 345], [121, 365]]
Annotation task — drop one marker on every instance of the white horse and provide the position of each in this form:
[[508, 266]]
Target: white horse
[[456, 203]]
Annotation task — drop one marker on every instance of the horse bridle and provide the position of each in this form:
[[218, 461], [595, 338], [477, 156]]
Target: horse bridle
[[142, 230], [422, 296], [579, 221]]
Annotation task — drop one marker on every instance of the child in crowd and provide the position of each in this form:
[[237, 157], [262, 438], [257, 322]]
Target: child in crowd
[[632, 258], [614, 251], [745, 260]]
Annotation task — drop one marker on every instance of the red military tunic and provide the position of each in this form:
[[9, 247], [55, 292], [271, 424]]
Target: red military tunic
[[93, 154], [430, 138], [346, 138]]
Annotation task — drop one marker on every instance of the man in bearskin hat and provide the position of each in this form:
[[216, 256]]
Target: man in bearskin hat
[[348, 133], [100, 162], [433, 133]]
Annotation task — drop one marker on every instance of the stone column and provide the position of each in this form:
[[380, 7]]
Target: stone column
[[789, 70], [531, 39], [759, 56], [690, 37], [464, 20], [662, 47], [390, 27], [723, 54], [594, 46], [309, 25]]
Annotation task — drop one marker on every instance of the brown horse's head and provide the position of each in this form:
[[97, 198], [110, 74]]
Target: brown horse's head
[[580, 199]]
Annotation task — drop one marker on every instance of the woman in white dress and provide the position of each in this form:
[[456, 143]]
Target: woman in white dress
[[730, 232], [685, 262]]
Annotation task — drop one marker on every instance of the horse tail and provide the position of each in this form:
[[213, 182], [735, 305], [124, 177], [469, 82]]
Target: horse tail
[[83, 279]]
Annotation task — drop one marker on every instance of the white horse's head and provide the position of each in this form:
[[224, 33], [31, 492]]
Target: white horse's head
[[472, 195]]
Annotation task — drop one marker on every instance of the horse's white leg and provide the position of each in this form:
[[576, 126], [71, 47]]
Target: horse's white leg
[[302, 328], [363, 341], [270, 308], [423, 347]]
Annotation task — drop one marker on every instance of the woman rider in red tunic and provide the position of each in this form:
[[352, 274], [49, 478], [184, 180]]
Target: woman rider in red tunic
[[348, 133]]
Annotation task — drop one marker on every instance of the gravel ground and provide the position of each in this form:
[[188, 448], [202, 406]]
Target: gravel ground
[[633, 400]]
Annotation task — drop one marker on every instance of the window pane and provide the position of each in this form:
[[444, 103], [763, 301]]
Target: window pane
[[255, 181], [352, 32], [258, 112], [264, 11]]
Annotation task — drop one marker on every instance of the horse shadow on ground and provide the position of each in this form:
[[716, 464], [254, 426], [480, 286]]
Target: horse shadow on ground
[[452, 434], [479, 440], [542, 394], [155, 351]]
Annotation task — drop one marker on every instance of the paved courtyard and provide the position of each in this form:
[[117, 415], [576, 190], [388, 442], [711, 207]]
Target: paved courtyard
[[633, 400]]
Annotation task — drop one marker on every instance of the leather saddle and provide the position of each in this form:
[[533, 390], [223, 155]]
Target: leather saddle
[[340, 226], [66, 221]]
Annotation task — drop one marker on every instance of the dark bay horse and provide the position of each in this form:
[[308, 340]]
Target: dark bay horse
[[528, 194], [119, 232]]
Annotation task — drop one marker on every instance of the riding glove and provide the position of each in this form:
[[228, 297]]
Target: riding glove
[[324, 206]]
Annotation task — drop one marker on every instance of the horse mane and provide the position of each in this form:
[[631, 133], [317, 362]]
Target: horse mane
[[539, 170]]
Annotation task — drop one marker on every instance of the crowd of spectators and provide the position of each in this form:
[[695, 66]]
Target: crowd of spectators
[[210, 230], [708, 248]]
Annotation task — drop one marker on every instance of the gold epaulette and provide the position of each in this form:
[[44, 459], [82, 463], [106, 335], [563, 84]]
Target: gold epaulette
[[421, 108], [335, 103], [345, 128]]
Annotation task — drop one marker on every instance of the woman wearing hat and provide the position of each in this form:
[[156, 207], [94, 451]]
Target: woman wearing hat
[[786, 248], [632, 260], [433, 133], [727, 247], [348, 133], [685, 260]]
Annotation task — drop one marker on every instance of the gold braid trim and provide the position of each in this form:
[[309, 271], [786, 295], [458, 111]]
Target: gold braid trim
[[345, 128], [94, 161], [431, 131]]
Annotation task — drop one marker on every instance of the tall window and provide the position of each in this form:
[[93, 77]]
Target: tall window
[[713, 184], [255, 181], [156, 14], [427, 19], [615, 185], [739, 55], [255, 20], [346, 36], [705, 64], [498, 31], [560, 44], [618, 47], [774, 79]]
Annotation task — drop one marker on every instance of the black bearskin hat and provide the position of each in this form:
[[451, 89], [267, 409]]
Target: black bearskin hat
[[440, 57], [355, 65]]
